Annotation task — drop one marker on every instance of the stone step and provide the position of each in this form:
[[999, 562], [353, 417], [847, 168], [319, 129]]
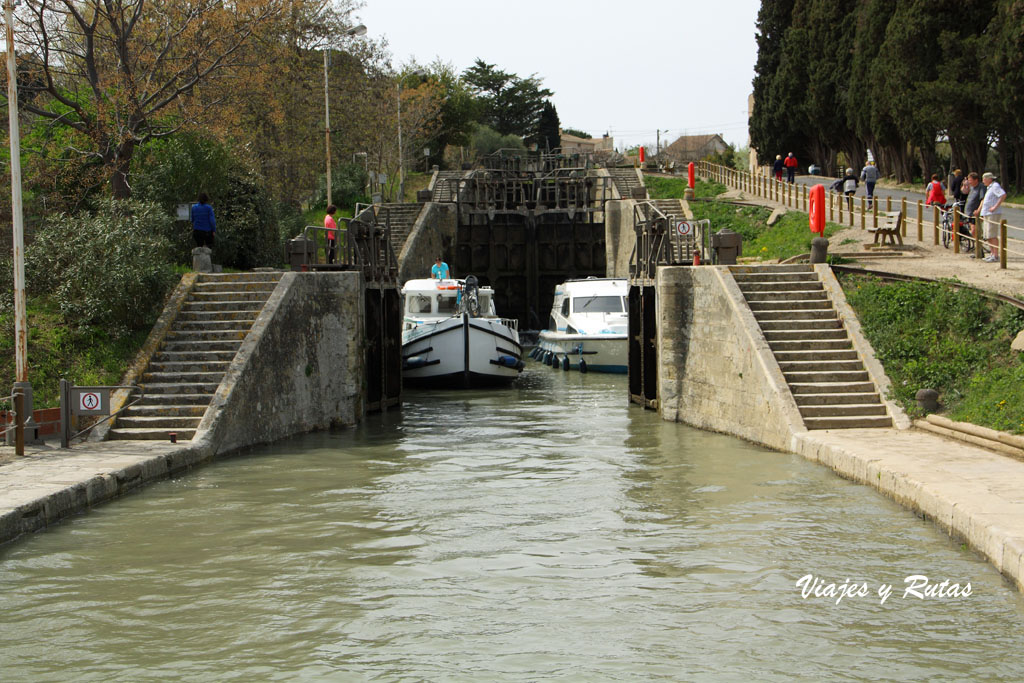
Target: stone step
[[164, 410], [200, 346], [157, 422], [824, 377], [193, 356], [150, 378], [240, 277], [851, 422], [193, 336], [147, 434], [797, 314], [842, 409], [774, 304], [838, 343], [234, 287], [861, 398], [222, 297], [821, 365], [787, 268], [180, 325], [804, 355], [796, 295], [191, 306], [154, 389], [759, 278], [175, 398], [832, 387], [215, 316], [751, 287], [182, 367], [779, 330]]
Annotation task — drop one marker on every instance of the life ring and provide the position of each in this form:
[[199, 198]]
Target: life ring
[[816, 209]]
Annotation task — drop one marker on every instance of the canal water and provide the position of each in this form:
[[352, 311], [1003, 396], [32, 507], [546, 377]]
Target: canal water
[[544, 532]]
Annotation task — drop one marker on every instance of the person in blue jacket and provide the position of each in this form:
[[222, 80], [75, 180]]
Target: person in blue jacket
[[203, 222]]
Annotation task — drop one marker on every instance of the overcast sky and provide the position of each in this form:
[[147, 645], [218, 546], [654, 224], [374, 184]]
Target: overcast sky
[[626, 67]]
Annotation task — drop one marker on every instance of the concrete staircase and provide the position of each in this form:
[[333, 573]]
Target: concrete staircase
[[670, 207], [403, 217], [443, 190], [829, 382], [625, 180], [184, 373]]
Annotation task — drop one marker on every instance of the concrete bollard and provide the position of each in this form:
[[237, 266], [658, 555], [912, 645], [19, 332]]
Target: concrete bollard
[[927, 400], [819, 250], [201, 261]]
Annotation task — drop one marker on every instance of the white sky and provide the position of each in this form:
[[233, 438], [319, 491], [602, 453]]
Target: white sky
[[626, 67]]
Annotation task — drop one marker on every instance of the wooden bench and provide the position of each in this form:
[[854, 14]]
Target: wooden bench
[[889, 228]]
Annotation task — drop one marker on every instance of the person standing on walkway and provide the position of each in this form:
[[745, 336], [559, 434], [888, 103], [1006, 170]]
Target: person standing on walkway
[[934, 193], [790, 164], [204, 225], [777, 167], [992, 214], [974, 197], [958, 185], [332, 233], [869, 174], [849, 187]]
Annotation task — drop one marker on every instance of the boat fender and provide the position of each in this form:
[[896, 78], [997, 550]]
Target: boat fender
[[414, 362], [508, 361], [547, 358], [583, 366], [565, 363], [520, 365]]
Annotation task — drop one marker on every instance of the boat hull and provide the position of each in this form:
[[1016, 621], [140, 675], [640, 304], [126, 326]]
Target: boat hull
[[593, 353], [461, 352]]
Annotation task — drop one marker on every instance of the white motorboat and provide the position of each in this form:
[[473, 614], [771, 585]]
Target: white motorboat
[[452, 336], [588, 327]]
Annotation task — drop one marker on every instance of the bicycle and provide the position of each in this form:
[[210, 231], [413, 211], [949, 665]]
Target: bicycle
[[948, 213]]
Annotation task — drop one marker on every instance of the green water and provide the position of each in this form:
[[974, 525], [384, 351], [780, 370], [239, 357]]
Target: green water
[[544, 532]]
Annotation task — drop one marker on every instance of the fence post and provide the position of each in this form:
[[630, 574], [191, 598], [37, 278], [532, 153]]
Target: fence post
[[920, 218], [979, 229], [888, 205], [1002, 244], [19, 421], [874, 214], [831, 212], [863, 213], [839, 203], [806, 193], [956, 230], [935, 222]]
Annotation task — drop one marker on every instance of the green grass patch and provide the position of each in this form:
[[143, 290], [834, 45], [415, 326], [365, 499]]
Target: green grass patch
[[934, 336], [789, 236], [660, 187], [86, 357]]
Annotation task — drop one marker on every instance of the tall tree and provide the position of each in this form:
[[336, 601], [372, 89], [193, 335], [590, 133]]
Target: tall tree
[[509, 104], [1003, 74], [123, 72], [770, 130], [548, 136]]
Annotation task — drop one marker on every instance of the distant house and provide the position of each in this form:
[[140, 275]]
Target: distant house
[[574, 145], [689, 148]]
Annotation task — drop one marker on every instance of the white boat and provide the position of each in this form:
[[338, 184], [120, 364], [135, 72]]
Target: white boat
[[588, 327], [452, 336]]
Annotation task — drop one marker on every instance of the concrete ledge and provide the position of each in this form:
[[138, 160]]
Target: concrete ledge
[[42, 489], [970, 493]]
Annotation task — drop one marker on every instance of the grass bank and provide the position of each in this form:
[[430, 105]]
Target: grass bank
[[932, 335], [789, 236]]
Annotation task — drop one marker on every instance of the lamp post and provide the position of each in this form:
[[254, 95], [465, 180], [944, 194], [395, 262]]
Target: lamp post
[[354, 31], [401, 160]]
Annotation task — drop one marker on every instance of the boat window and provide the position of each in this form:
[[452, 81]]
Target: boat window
[[625, 303], [565, 306], [486, 305], [419, 303], [597, 304], [445, 304]]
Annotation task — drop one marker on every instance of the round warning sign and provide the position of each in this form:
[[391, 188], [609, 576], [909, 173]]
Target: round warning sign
[[89, 400], [684, 228]]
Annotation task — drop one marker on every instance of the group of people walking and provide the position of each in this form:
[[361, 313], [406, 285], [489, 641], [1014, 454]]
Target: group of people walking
[[788, 164]]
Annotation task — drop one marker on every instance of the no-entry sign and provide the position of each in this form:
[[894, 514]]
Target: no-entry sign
[[90, 401], [684, 228]]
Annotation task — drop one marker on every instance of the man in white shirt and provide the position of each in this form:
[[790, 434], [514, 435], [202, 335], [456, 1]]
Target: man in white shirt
[[990, 213]]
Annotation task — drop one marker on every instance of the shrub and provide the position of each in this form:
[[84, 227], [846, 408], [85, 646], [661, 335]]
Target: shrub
[[348, 186], [111, 269]]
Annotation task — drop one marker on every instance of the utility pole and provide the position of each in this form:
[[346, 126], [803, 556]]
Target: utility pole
[[327, 125]]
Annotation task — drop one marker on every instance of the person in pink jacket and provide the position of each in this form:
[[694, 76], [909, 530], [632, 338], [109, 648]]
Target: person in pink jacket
[[332, 233]]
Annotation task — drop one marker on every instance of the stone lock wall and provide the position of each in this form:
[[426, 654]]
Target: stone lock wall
[[716, 369]]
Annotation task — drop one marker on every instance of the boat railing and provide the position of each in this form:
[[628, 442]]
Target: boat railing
[[511, 323]]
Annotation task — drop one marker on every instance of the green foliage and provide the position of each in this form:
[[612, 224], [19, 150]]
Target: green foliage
[[790, 236], [175, 170], [486, 141], [660, 187], [578, 133], [508, 104], [348, 186], [459, 110], [548, 137], [932, 335], [109, 271]]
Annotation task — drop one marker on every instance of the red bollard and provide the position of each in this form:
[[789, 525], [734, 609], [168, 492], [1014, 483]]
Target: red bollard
[[816, 210], [641, 154], [690, 174], [174, 436], [696, 258]]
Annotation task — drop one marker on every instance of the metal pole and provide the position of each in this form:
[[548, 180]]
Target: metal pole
[[401, 164], [20, 317], [327, 127]]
